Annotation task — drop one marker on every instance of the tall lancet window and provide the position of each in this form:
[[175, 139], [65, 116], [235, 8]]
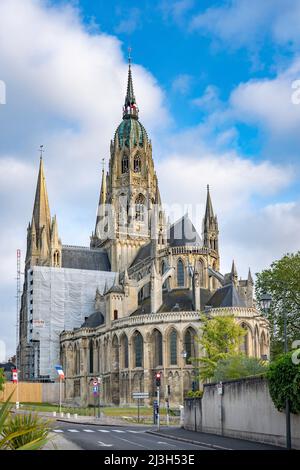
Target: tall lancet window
[[140, 208], [137, 164], [125, 164], [180, 273]]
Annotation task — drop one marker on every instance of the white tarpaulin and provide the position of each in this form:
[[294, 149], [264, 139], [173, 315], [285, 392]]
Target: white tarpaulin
[[61, 299]]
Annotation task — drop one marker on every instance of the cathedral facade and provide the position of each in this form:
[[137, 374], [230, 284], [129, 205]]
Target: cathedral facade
[[144, 281]]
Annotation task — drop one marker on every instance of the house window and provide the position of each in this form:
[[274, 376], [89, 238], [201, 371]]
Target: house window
[[158, 349], [189, 345], [180, 273], [115, 314]]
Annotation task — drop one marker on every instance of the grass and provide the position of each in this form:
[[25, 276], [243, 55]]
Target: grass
[[130, 412]]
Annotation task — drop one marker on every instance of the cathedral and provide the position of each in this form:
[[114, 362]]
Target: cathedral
[[128, 306]]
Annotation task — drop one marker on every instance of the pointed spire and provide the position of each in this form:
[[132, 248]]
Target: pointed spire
[[41, 210], [234, 274], [157, 200], [130, 109], [126, 277], [250, 279], [209, 212], [102, 200]]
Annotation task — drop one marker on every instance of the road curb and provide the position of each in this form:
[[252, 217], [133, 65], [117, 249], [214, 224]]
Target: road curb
[[122, 425], [176, 438]]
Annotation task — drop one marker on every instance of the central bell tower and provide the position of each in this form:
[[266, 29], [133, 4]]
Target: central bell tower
[[128, 190]]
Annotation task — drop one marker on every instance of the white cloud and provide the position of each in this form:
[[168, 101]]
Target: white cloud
[[243, 23], [131, 22], [182, 83], [209, 100]]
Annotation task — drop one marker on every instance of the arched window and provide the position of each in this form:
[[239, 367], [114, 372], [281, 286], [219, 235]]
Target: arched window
[[125, 164], [137, 164], [245, 344], [115, 353], [138, 350], [77, 361], [124, 344], [189, 345], [56, 258], [157, 348], [173, 347], [91, 350], [140, 208], [180, 273]]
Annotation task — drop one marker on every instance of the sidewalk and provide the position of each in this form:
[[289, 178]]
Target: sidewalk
[[59, 442], [212, 441]]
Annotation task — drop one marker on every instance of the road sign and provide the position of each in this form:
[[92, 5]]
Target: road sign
[[140, 395], [220, 388], [95, 389], [15, 376]]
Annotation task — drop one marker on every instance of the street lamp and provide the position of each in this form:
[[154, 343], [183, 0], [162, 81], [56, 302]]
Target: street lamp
[[265, 304]]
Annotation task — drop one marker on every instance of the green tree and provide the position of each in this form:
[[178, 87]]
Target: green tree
[[282, 281], [2, 379], [238, 366], [284, 382], [219, 338]]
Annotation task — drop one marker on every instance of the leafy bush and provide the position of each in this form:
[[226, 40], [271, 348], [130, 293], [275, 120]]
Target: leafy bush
[[21, 431], [238, 366], [2, 379], [196, 394], [284, 382]]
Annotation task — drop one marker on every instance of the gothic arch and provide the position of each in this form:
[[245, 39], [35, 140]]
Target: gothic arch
[[189, 344], [140, 208], [157, 348], [180, 273], [115, 353], [172, 341], [137, 345], [124, 351]]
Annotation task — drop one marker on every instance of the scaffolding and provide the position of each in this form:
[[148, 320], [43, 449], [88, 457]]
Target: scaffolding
[[18, 301]]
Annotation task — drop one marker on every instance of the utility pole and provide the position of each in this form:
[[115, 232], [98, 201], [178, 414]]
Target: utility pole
[[158, 379], [287, 402]]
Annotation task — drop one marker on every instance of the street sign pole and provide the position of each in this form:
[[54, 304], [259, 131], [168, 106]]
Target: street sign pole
[[138, 410], [99, 397], [60, 394], [158, 412]]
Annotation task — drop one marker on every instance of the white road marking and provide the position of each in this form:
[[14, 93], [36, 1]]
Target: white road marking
[[102, 444], [102, 430], [136, 432], [89, 430], [57, 430], [117, 430], [131, 442], [73, 430], [166, 443]]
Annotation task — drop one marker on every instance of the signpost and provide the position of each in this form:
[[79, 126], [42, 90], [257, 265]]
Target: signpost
[[15, 380], [139, 396], [61, 376]]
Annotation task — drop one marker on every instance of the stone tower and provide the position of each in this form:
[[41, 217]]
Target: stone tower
[[128, 191]]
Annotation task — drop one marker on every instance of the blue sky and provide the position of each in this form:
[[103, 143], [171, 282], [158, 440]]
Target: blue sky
[[213, 81]]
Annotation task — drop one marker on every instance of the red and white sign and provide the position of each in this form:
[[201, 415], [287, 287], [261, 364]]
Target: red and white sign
[[95, 382], [15, 376]]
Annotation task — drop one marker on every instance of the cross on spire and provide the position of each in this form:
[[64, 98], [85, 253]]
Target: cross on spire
[[41, 150], [130, 109]]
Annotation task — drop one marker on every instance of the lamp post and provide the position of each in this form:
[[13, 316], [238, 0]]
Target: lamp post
[[183, 355], [265, 304]]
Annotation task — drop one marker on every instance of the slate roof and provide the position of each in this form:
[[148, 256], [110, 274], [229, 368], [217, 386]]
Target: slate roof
[[143, 253], [116, 289], [226, 296], [94, 320], [7, 366], [76, 257], [183, 233]]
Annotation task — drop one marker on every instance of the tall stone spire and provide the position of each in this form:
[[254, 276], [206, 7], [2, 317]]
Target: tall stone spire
[[209, 212], [130, 109], [43, 243], [210, 225], [41, 210], [102, 202], [234, 274]]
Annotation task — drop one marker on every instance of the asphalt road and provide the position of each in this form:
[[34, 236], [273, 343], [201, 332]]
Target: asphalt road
[[119, 438]]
